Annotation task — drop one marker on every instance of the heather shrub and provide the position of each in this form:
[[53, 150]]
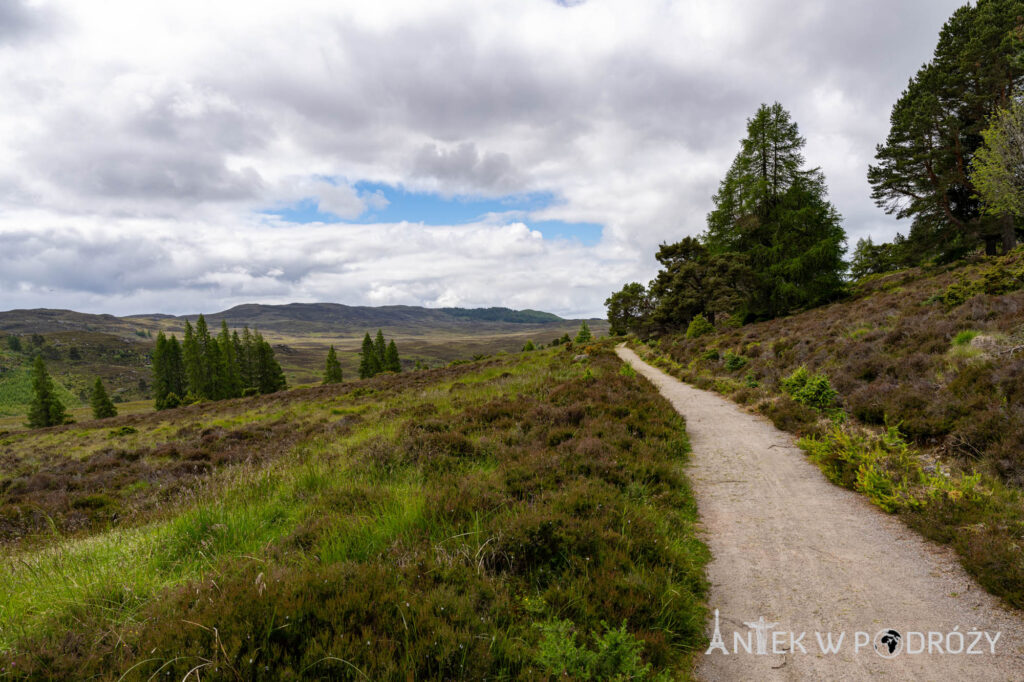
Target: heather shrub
[[789, 415], [402, 532]]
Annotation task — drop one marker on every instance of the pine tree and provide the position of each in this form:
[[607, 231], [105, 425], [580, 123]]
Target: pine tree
[[380, 348], [528, 346], [391, 361], [245, 350], [102, 407], [269, 376], [230, 374], [193, 362], [332, 371], [369, 365], [627, 309], [210, 374], [583, 335], [174, 366], [923, 169], [46, 408], [161, 388]]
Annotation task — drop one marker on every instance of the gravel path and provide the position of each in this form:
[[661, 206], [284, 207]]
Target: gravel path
[[815, 558]]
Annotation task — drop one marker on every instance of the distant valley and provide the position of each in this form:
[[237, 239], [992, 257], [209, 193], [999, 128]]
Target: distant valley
[[78, 347]]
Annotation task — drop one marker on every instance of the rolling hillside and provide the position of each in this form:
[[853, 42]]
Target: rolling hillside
[[519, 517], [78, 347]]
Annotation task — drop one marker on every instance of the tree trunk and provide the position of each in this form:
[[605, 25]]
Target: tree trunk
[[991, 241], [1008, 233]]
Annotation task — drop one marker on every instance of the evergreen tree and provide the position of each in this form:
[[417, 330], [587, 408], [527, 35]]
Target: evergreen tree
[[160, 389], [774, 213], [174, 364], [628, 309], [193, 362], [380, 348], [230, 374], [211, 369], [693, 282], [14, 343], [102, 407], [391, 361], [369, 365], [46, 408], [583, 335], [528, 346], [269, 376], [169, 376], [332, 372], [245, 351], [923, 168]]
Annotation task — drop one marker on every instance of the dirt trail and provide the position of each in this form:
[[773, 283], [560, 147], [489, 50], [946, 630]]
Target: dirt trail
[[813, 557]]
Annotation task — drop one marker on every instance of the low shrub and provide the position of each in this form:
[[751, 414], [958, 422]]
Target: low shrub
[[956, 508], [733, 361], [699, 326], [813, 390], [613, 654]]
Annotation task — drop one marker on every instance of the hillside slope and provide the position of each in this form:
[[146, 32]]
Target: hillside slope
[[937, 356]]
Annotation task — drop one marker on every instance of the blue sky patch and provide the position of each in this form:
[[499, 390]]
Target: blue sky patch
[[433, 209]]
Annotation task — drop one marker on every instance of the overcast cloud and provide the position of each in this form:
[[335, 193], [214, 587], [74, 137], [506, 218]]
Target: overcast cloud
[[142, 144]]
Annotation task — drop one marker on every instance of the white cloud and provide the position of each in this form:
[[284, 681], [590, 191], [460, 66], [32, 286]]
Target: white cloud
[[139, 141]]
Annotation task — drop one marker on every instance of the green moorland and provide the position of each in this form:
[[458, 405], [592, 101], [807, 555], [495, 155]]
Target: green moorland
[[74, 360], [911, 391], [120, 353], [524, 516]]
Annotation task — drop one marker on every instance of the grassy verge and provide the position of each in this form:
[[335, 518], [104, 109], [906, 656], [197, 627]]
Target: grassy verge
[[521, 517]]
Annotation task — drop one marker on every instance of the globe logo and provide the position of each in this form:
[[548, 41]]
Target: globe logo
[[888, 643]]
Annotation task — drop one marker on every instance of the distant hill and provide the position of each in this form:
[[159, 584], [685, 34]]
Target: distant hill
[[504, 315], [49, 321], [335, 317], [78, 347], [295, 318]]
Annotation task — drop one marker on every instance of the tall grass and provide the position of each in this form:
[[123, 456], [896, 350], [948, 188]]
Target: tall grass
[[422, 527]]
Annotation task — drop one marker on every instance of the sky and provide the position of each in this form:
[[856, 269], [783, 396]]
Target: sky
[[188, 156]]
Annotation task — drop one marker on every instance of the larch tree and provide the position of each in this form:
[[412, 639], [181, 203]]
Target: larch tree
[[774, 214]]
